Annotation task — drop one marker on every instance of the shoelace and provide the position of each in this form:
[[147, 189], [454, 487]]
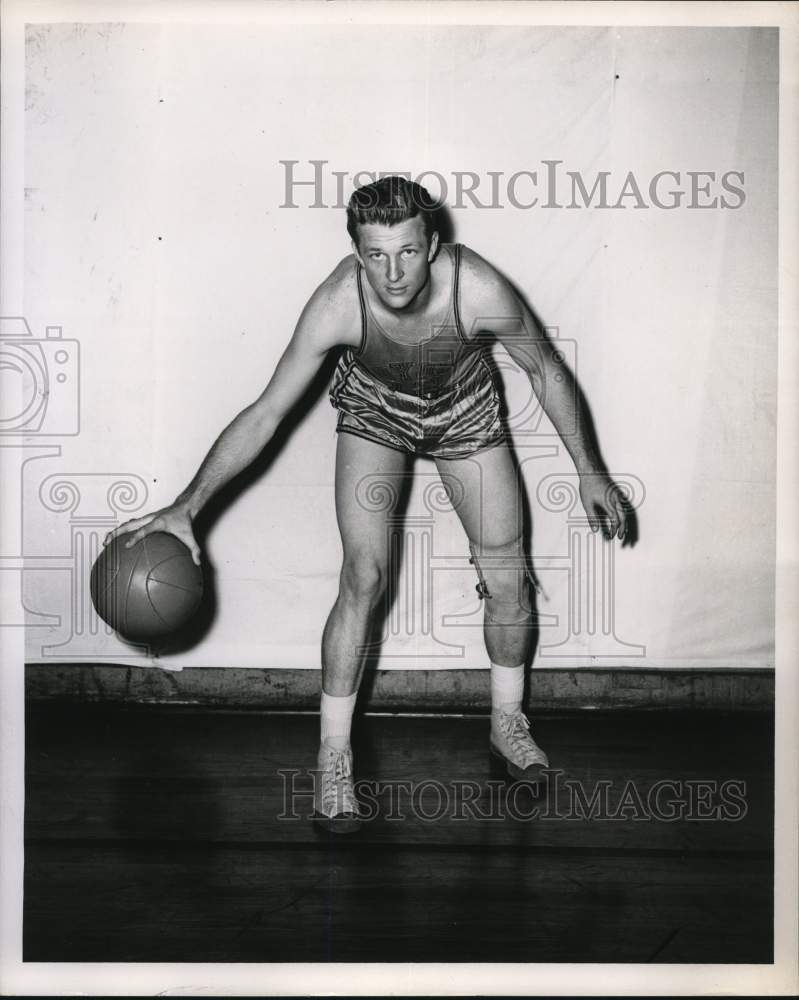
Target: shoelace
[[515, 728], [338, 793]]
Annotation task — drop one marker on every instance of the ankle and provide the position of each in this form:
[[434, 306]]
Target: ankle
[[337, 743], [335, 720], [506, 708], [507, 688]]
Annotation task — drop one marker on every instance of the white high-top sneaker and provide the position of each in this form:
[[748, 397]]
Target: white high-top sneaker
[[335, 805], [512, 743]]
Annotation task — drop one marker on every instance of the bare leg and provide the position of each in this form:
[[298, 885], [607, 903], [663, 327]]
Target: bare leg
[[369, 479], [487, 495]]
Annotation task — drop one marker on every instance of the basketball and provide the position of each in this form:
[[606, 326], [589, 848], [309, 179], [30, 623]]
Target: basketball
[[148, 590]]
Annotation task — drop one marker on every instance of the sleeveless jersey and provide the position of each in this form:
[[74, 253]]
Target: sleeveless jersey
[[440, 358]]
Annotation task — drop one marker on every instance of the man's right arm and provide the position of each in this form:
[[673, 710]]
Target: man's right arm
[[324, 324]]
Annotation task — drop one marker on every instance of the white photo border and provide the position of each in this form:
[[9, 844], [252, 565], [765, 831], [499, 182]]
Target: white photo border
[[371, 979]]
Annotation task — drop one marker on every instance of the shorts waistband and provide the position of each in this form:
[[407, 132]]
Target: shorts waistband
[[436, 394]]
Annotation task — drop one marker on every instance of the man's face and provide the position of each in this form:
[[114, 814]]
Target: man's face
[[396, 259]]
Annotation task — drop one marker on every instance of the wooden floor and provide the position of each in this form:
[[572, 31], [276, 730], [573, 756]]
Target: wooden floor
[[162, 835]]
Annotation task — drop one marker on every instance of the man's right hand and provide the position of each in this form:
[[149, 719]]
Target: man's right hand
[[175, 520]]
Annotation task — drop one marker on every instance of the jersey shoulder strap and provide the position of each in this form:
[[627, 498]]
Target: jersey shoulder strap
[[362, 304], [456, 281]]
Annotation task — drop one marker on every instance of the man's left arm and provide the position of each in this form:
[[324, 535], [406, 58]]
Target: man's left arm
[[499, 311]]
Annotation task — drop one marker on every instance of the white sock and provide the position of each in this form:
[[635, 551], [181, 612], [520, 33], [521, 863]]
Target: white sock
[[507, 688], [335, 718]]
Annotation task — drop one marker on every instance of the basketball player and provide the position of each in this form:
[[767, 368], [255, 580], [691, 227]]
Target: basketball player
[[415, 318]]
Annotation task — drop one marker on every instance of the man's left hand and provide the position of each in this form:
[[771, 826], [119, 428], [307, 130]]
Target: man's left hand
[[604, 504]]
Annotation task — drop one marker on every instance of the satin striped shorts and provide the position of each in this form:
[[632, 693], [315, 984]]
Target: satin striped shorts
[[463, 419]]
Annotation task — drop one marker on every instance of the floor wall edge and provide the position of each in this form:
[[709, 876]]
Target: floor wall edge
[[548, 689]]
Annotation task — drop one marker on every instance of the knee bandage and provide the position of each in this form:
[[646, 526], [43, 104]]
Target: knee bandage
[[482, 586], [494, 609]]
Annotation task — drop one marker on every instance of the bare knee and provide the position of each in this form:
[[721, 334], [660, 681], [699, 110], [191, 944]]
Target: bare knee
[[362, 579]]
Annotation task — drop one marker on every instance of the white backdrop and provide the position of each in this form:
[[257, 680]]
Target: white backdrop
[[155, 237]]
